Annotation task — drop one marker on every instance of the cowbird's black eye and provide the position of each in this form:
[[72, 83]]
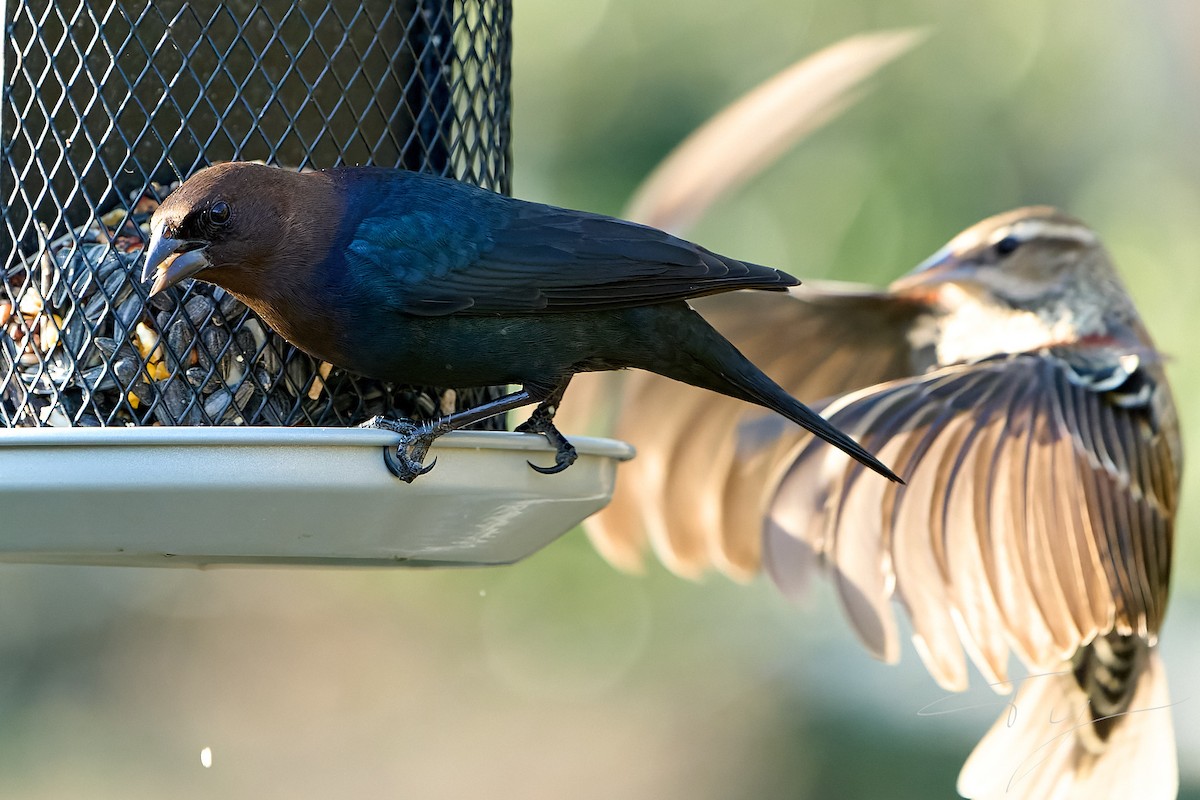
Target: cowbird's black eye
[[218, 213], [1007, 245]]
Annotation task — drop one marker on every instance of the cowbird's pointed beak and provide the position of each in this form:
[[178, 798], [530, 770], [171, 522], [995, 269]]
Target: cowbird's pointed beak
[[174, 260]]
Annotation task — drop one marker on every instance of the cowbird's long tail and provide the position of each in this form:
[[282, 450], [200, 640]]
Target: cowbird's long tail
[[711, 362]]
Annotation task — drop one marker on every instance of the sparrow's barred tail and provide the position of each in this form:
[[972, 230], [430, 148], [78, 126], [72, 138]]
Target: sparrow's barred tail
[[1047, 742]]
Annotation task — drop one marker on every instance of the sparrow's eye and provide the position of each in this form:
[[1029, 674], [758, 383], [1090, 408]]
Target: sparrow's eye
[[218, 214], [1006, 245]]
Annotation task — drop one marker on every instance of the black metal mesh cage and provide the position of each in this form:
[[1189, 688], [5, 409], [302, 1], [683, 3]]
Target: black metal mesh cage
[[107, 104]]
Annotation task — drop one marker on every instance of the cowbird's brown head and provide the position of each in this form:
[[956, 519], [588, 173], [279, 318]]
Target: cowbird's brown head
[[229, 224]]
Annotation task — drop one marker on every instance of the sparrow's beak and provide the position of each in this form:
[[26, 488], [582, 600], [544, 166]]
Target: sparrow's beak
[[174, 259], [944, 266]]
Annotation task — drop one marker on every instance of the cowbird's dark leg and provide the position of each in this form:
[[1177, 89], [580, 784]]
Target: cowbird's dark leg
[[542, 421], [405, 461]]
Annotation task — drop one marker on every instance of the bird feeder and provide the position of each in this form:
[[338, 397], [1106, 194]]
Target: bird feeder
[[105, 108]]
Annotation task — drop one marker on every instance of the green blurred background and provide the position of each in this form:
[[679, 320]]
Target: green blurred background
[[560, 677]]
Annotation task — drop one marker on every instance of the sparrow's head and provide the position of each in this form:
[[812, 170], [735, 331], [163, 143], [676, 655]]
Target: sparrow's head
[[1033, 259], [226, 224]]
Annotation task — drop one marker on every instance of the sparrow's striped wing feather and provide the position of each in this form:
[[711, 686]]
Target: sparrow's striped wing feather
[[977, 614], [1002, 524], [697, 491], [1045, 550], [919, 547], [1037, 514]]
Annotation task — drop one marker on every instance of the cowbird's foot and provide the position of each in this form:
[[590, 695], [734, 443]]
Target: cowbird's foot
[[405, 461], [543, 423]]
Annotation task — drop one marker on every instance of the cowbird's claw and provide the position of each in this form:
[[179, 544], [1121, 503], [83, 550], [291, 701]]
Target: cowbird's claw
[[404, 466], [564, 458], [405, 461], [564, 455]]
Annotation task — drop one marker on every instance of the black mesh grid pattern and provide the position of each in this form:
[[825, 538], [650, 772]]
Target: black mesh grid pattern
[[106, 105]]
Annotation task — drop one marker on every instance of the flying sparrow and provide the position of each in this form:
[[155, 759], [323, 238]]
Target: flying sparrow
[[1010, 381]]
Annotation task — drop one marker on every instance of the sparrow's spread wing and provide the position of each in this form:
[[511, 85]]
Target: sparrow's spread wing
[[697, 490], [1037, 514]]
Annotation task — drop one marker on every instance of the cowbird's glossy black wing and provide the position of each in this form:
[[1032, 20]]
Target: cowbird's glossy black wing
[[1037, 512], [698, 489], [443, 247]]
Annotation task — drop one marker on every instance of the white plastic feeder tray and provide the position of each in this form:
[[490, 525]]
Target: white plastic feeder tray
[[201, 496]]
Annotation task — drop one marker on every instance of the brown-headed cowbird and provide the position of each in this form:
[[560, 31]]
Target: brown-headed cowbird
[[1011, 382], [409, 277]]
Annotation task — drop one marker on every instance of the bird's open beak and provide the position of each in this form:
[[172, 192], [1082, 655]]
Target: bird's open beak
[[174, 260]]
